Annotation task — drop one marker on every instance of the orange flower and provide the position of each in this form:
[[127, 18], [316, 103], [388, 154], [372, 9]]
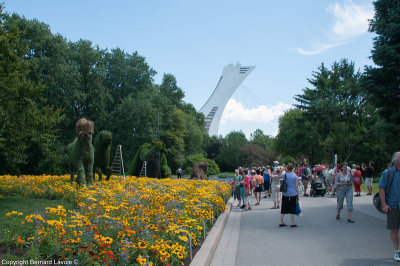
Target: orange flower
[[20, 240]]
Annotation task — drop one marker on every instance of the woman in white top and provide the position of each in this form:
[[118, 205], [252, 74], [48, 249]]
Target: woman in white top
[[344, 184], [275, 185]]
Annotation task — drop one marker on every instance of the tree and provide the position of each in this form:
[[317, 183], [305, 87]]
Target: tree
[[171, 91], [213, 145], [294, 137], [228, 157], [383, 81], [127, 74], [174, 138], [26, 121], [252, 155], [335, 107]]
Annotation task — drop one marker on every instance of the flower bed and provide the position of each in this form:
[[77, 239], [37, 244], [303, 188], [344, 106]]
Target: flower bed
[[138, 221]]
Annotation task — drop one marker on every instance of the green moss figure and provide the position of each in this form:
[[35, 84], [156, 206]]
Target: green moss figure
[[102, 150], [149, 152], [81, 152]]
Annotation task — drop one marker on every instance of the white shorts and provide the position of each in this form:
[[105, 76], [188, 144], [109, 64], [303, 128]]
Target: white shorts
[[368, 182]]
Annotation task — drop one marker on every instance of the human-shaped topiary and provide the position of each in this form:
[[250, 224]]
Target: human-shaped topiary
[[81, 152], [149, 152], [102, 150]]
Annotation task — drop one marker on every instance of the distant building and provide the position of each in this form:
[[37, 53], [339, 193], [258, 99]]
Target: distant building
[[231, 78]]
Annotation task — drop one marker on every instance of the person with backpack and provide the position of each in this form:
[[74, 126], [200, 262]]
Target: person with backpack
[[179, 173], [391, 201], [304, 179]]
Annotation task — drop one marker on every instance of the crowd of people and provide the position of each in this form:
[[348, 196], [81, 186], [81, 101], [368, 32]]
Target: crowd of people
[[255, 180], [336, 181]]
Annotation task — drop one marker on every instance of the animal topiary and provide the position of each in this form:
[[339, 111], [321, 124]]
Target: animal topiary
[[199, 171], [81, 152], [102, 150], [149, 152]]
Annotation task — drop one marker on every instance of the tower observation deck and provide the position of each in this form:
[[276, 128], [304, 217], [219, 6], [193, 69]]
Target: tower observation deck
[[231, 78]]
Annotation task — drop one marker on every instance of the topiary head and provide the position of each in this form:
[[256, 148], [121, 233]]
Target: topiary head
[[84, 128], [203, 165], [105, 137]]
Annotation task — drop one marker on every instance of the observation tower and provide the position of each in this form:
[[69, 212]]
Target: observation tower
[[231, 78]]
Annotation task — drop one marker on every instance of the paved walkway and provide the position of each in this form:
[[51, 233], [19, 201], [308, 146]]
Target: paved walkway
[[254, 238]]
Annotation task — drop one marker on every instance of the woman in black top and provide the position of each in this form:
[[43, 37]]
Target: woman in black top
[[369, 175]]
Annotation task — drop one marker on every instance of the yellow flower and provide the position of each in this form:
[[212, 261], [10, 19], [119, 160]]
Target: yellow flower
[[141, 260], [142, 245], [107, 240]]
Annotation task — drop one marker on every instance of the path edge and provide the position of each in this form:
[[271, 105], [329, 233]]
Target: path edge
[[206, 253]]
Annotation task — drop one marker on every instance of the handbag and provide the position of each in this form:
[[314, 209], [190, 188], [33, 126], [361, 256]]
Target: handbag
[[283, 187], [247, 192], [298, 209], [376, 199]]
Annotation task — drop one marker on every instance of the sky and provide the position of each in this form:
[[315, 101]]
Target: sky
[[194, 40]]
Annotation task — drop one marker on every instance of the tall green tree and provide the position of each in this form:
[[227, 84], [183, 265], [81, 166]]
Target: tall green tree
[[127, 74], [383, 81], [336, 106], [252, 155], [174, 139], [171, 91], [228, 157], [26, 121]]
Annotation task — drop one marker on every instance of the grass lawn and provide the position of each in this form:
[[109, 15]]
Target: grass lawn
[[375, 188]]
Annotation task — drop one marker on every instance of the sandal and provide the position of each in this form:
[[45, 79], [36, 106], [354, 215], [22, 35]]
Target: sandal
[[282, 225], [337, 217], [293, 225], [350, 221]]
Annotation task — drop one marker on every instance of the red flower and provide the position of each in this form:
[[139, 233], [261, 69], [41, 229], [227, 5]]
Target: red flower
[[106, 260], [63, 242], [111, 256]]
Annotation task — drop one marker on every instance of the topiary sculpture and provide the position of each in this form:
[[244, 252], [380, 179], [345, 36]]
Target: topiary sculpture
[[199, 171], [81, 152], [102, 150], [149, 152]]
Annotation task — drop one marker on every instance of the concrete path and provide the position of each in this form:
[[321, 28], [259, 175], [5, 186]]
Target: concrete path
[[254, 238]]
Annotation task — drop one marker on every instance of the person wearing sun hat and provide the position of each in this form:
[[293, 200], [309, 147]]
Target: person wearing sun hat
[[276, 165]]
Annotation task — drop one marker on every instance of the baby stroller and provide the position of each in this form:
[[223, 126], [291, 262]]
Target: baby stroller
[[317, 188]]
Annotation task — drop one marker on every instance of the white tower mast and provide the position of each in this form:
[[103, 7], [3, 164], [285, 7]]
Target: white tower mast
[[231, 78]]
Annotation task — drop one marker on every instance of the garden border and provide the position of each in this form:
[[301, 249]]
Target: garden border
[[206, 253]]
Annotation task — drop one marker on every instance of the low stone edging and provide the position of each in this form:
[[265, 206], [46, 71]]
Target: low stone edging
[[206, 253]]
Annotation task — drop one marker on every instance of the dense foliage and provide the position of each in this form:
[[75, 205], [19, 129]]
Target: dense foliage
[[382, 82], [47, 83]]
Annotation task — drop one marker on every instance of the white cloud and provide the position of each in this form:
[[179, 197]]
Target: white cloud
[[236, 112], [351, 20], [318, 48]]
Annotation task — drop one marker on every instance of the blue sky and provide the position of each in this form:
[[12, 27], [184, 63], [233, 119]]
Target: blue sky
[[194, 40]]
